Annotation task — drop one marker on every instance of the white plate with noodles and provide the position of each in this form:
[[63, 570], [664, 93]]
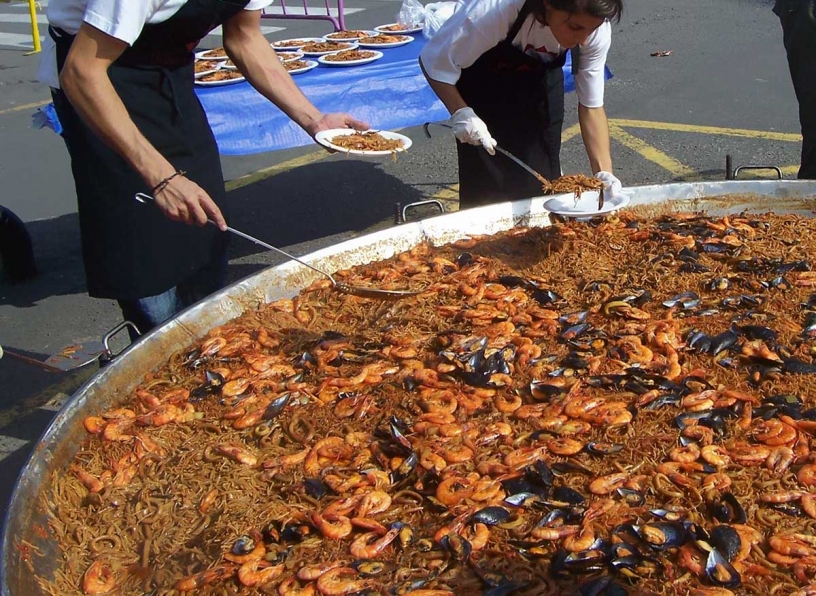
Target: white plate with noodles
[[328, 139], [294, 67], [291, 45], [398, 28], [570, 205], [352, 35], [331, 59], [322, 47], [206, 67], [213, 54], [221, 77], [289, 56], [385, 41]]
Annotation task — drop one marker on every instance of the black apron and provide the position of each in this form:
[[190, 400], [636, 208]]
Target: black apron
[[521, 100], [132, 250]]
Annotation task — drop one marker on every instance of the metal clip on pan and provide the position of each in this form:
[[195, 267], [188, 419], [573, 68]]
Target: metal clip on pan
[[339, 286]]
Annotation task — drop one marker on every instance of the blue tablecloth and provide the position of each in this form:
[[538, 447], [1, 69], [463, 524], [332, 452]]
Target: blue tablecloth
[[389, 94]]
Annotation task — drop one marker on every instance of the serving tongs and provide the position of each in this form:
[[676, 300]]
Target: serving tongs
[[339, 286], [507, 154]]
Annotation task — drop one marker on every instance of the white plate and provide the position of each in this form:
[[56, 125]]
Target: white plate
[[289, 56], [201, 56], [220, 83], [362, 32], [324, 137], [214, 66], [305, 40], [310, 65], [226, 66], [382, 29], [587, 206], [408, 39], [352, 44], [377, 55]]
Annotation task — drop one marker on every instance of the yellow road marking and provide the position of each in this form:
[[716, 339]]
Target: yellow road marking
[[711, 130], [26, 106], [280, 168], [650, 153], [573, 130]]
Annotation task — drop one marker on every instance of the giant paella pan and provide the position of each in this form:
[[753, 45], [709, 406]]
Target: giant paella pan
[[610, 406]]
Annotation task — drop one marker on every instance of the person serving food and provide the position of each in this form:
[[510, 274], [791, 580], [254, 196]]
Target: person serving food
[[497, 67], [121, 73]]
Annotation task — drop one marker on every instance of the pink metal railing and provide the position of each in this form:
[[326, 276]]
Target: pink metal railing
[[320, 13]]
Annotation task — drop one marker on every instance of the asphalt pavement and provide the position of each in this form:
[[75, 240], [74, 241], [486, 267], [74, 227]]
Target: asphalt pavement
[[723, 89]]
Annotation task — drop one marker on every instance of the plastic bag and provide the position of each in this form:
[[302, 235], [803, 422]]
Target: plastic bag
[[412, 13], [435, 16]]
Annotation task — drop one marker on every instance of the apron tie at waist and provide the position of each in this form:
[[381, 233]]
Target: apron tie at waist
[[167, 77]]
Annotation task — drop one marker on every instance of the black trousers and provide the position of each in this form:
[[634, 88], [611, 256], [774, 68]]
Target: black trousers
[[798, 18]]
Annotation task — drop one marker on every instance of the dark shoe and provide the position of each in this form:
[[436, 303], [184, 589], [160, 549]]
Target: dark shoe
[[15, 248]]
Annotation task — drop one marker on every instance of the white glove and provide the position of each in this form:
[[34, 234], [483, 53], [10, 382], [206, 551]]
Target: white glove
[[612, 186], [469, 128]]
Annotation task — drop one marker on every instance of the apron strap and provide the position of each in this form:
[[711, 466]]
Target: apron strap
[[522, 16], [575, 56]]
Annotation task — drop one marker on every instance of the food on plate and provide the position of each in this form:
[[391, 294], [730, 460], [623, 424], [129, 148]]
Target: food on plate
[[284, 56], [289, 43], [352, 34], [366, 141], [384, 39], [396, 27], [215, 53], [350, 56], [576, 183], [295, 64], [204, 66], [325, 46], [221, 75], [613, 405]]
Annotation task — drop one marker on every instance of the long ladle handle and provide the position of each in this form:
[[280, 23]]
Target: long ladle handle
[[507, 154], [143, 198]]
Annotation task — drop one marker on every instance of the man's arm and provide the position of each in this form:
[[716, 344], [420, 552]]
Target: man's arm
[[255, 58], [84, 79], [595, 132]]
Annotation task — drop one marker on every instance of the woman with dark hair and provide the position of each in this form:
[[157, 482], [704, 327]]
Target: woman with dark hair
[[497, 67]]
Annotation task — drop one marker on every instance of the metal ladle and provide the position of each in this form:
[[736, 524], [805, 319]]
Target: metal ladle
[[339, 286]]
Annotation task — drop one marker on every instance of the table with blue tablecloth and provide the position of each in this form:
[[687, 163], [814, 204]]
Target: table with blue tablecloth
[[389, 94]]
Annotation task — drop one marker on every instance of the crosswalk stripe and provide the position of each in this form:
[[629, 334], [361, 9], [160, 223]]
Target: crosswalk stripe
[[18, 40], [300, 11], [264, 30], [22, 18], [9, 445]]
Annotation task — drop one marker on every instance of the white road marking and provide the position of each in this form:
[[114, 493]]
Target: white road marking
[[18, 40], [9, 445], [313, 10], [22, 18]]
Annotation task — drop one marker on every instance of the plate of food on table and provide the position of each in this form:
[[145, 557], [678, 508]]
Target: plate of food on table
[[350, 58], [398, 28], [222, 76], [289, 56], [299, 66], [322, 47], [369, 142], [290, 45], [384, 40], [213, 54], [205, 67], [350, 35]]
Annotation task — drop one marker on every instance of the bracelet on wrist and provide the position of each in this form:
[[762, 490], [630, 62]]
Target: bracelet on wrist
[[163, 184]]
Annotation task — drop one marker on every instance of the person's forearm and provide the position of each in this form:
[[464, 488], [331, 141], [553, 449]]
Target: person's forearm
[[254, 57], [595, 132], [92, 95], [447, 93]]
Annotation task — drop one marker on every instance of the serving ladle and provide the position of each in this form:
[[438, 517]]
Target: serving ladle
[[339, 286], [545, 183]]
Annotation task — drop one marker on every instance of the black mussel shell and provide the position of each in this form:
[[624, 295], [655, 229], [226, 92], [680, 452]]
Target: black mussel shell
[[464, 259], [316, 488], [513, 281], [798, 367], [662, 535], [544, 390], [373, 568], [490, 516], [570, 467], [213, 384], [523, 499], [719, 284], [632, 497], [545, 297], [565, 494], [726, 539], [574, 331], [693, 268], [686, 301], [504, 588], [539, 473], [405, 469], [459, 547], [276, 406], [669, 515], [602, 586], [243, 545], [603, 448], [574, 318], [755, 332], [720, 572]]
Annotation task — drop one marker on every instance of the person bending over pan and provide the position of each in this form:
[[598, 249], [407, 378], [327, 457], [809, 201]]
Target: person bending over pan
[[121, 73], [497, 67]]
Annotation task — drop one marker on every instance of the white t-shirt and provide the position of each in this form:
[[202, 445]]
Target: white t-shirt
[[481, 24], [122, 19]]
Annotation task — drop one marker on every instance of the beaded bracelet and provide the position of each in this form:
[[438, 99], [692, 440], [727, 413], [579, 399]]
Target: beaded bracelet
[[163, 184]]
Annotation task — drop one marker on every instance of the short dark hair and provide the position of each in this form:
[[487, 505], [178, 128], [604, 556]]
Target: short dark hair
[[602, 9]]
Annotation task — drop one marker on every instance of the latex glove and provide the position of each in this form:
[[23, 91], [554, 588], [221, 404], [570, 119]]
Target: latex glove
[[612, 186], [469, 128]]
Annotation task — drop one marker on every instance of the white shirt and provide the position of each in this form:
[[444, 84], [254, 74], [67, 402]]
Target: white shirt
[[481, 24], [122, 19]]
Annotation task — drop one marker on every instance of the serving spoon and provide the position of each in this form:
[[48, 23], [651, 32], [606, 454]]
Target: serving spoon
[[339, 286]]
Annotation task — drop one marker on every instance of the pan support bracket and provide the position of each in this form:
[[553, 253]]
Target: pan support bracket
[[402, 210]]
